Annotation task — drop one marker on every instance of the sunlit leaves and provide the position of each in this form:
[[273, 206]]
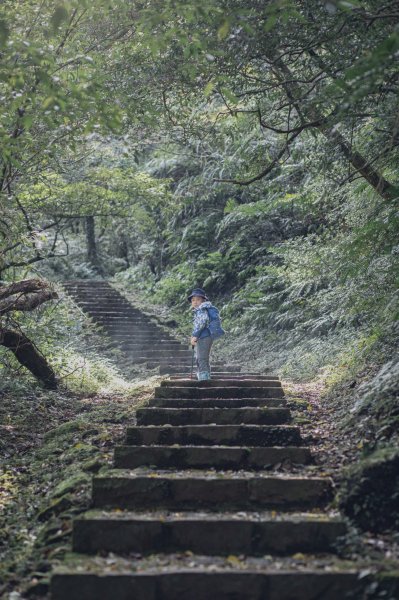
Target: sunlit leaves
[[4, 32], [60, 15]]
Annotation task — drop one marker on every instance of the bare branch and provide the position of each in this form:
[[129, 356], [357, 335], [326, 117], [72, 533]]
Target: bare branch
[[269, 167], [27, 302], [26, 286]]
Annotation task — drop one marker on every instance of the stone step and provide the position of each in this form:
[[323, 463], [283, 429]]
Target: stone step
[[120, 326], [115, 318], [180, 364], [87, 283], [152, 355], [130, 338], [214, 435], [140, 336], [105, 300], [183, 491], [217, 402], [180, 361], [112, 315], [150, 344], [111, 309], [205, 533], [223, 376], [246, 383], [219, 392], [120, 311], [208, 457], [154, 363], [143, 360], [150, 352], [137, 338], [122, 316], [101, 580], [144, 330], [169, 368], [218, 416], [99, 299], [176, 350]]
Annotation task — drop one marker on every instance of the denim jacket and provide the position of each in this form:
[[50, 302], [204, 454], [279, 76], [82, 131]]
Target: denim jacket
[[201, 321]]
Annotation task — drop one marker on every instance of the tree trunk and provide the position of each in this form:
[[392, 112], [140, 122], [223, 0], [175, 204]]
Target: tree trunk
[[28, 356], [92, 255], [383, 187]]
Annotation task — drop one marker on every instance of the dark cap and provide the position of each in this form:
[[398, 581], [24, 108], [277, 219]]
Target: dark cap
[[198, 292]]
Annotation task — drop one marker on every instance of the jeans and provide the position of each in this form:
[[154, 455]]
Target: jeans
[[202, 352]]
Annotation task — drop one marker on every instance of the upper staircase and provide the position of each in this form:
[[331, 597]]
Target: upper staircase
[[137, 334]]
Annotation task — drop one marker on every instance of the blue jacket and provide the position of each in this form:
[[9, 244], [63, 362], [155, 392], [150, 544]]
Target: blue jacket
[[201, 321]]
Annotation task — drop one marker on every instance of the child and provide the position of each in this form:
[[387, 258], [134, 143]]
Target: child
[[202, 337]]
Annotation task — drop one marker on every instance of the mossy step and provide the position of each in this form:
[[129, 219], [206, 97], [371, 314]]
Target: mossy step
[[197, 584], [214, 383], [108, 314], [109, 301], [206, 534], [223, 376], [217, 366], [153, 355], [133, 340], [150, 349], [121, 329], [208, 457], [189, 491], [219, 392], [123, 318], [217, 402], [214, 435], [180, 362], [219, 416], [146, 342]]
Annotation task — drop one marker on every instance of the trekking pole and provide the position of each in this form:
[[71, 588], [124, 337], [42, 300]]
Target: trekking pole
[[192, 361]]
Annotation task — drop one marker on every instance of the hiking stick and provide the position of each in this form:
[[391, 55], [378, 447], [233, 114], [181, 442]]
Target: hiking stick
[[192, 361]]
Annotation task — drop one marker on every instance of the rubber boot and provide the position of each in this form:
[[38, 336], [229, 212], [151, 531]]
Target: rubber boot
[[204, 376]]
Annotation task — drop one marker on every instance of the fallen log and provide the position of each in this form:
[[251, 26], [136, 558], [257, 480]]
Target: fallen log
[[26, 295], [29, 356]]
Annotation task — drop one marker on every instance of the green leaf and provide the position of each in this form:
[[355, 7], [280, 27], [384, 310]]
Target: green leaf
[[4, 32], [229, 95], [60, 15], [270, 23], [224, 30], [209, 88]]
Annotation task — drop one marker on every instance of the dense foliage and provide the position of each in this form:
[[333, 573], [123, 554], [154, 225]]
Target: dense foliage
[[246, 147]]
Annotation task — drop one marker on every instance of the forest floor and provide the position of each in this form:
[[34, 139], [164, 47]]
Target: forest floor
[[52, 442], [50, 445]]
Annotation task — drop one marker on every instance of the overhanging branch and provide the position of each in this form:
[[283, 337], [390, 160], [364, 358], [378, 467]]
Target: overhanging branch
[[267, 169]]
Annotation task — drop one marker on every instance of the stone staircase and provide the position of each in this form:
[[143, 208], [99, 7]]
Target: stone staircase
[[213, 494], [197, 508], [138, 335]]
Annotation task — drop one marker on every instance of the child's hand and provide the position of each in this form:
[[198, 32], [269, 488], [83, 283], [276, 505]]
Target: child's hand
[[193, 341]]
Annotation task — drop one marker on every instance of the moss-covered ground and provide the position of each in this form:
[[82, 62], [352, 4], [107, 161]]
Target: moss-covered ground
[[51, 443]]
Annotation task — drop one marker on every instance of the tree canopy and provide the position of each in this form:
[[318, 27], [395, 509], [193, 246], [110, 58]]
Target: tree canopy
[[249, 147]]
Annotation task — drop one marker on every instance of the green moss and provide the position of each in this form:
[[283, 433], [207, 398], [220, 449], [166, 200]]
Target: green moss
[[56, 507], [70, 484], [79, 451], [369, 492], [66, 430]]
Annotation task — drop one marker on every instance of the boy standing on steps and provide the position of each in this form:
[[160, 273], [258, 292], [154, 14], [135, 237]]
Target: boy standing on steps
[[206, 328]]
